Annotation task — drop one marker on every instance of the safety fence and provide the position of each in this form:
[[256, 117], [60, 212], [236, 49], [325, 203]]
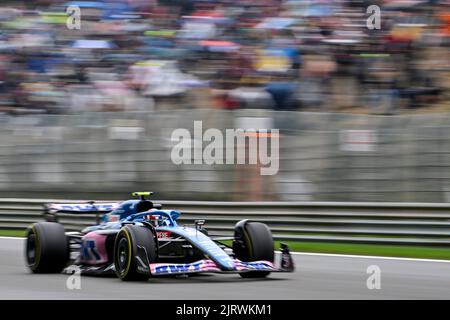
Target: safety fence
[[356, 222], [322, 157]]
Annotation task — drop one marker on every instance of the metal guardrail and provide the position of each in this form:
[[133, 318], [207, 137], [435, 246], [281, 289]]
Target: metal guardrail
[[378, 223]]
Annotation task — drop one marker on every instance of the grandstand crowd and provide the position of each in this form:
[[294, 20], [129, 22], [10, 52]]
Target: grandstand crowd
[[147, 55]]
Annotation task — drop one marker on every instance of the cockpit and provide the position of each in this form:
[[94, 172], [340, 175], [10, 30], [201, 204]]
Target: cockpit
[[143, 206]]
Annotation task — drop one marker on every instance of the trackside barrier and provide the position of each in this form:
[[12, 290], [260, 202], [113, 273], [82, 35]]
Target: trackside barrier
[[378, 223]]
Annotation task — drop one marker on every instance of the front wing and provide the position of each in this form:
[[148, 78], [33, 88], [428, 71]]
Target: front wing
[[203, 266]]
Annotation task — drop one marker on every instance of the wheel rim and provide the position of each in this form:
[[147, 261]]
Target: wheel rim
[[122, 255], [31, 249]]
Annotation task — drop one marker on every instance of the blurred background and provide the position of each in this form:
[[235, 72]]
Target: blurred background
[[364, 115]]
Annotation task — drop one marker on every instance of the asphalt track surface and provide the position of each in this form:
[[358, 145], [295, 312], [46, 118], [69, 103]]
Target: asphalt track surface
[[316, 277]]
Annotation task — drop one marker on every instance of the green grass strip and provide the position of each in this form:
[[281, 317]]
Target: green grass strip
[[403, 251], [12, 233]]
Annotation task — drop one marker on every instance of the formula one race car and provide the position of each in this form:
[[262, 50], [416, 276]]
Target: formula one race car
[[136, 239]]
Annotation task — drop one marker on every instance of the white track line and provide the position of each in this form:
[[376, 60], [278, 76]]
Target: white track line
[[12, 238], [368, 257], [330, 255]]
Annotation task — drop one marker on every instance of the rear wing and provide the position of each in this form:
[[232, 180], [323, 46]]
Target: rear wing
[[51, 210]]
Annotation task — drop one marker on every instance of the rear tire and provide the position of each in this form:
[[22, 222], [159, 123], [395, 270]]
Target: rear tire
[[46, 247], [133, 241], [253, 242]]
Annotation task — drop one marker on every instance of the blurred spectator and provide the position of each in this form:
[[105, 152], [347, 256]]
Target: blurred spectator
[[281, 54]]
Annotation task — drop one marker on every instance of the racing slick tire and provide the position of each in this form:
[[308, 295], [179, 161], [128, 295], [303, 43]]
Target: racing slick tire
[[253, 242], [134, 249], [46, 247]]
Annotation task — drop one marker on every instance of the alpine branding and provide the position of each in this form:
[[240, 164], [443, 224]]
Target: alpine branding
[[84, 207], [89, 251]]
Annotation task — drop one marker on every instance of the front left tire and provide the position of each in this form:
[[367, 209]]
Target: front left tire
[[134, 249]]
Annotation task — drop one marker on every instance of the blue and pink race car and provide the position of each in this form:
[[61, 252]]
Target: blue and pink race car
[[136, 240]]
